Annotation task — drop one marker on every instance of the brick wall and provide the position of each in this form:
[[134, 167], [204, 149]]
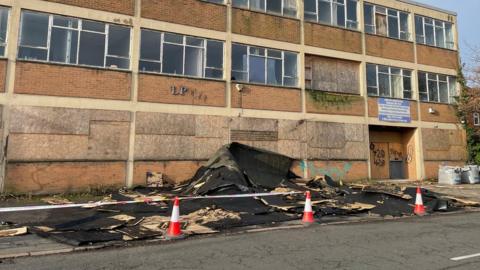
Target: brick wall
[[158, 88], [3, 75], [339, 170], [444, 113], [267, 98], [118, 6], [333, 38], [427, 55], [71, 81], [389, 48], [187, 12], [64, 177], [373, 108], [251, 23]]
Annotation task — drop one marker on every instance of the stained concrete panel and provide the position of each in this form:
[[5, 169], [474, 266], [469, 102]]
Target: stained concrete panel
[[317, 153], [325, 135], [207, 126], [164, 147], [355, 132], [111, 116], [47, 120], [292, 130], [292, 148], [42, 147], [206, 147], [165, 124], [266, 145], [257, 124], [351, 151], [108, 140]]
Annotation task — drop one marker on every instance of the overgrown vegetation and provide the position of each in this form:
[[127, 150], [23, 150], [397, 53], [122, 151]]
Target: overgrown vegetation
[[325, 99], [466, 103]]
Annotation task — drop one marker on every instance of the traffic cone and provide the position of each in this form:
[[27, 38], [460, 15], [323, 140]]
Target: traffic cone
[[419, 208], [174, 231], [307, 211]]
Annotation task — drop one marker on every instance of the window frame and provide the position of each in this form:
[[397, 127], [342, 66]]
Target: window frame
[[265, 10], [184, 45], [79, 29], [390, 75], [476, 119], [332, 2], [387, 14], [5, 44], [266, 57], [434, 25], [449, 81]]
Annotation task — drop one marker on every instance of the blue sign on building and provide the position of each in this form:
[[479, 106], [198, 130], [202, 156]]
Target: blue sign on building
[[394, 110]]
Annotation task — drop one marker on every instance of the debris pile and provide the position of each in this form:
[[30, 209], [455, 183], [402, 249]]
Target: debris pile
[[212, 201]]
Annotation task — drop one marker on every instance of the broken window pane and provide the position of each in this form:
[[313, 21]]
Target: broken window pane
[[429, 32], [240, 3], [150, 45], [3, 29], [215, 54], [449, 36], [257, 5], [193, 61], [173, 59], [150, 66], [439, 36], [369, 23], [419, 29], [239, 57], [443, 92], [257, 69], [290, 64], [324, 12], [117, 62], [393, 26], [381, 24], [371, 76], [339, 14], [310, 8], [352, 13], [274, 6], [63, 45], [92, 49], [384, 84], [119, 41], [93, 26], [65, 21], [290, 8], [274, 71], [34, 29]]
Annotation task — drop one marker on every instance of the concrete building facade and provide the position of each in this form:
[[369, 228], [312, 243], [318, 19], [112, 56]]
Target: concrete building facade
[[98, 93]]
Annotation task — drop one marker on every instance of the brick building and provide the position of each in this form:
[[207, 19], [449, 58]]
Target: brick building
[[97, 93]]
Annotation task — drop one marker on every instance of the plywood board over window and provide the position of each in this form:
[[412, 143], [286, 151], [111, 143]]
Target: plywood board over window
[[332, 75]]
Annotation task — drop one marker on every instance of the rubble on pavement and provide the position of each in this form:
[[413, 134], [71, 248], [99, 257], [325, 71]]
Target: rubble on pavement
[[234, 169]]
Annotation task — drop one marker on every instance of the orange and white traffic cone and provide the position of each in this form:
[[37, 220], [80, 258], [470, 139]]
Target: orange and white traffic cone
[[307, 211], [174, 231], [419, 208]]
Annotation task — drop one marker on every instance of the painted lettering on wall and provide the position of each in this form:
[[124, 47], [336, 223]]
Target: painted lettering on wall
[[182, 91], [336, 172], [378, 155]]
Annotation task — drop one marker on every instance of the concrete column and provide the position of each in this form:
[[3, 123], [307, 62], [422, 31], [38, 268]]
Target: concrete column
[[11, 54]]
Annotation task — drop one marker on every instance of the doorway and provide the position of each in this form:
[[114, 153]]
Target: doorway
[[392, 152]]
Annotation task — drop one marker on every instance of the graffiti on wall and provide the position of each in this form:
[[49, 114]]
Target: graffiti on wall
[[378, 155], [335, 172]]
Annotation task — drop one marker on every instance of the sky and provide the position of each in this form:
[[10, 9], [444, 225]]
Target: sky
[[468, 12]]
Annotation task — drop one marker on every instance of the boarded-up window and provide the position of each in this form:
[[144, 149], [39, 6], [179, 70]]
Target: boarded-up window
[[331, 75]]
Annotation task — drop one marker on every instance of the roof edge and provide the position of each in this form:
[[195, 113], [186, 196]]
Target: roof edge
[[429, 7]]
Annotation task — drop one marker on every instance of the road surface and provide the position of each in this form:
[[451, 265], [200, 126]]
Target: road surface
[[435, 242]]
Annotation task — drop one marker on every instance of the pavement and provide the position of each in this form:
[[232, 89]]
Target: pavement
[[431, 242]]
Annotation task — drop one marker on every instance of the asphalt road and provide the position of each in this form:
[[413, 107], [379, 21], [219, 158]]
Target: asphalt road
[[414, 243]]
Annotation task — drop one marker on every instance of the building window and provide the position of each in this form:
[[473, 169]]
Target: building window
[[215, 1], [476, 119], [386, 22], [264, 66], [436, 87], [175, 54], [384, 81], [69, 40], [280, 7], [341, 13], [4, 12], [434, 32]]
